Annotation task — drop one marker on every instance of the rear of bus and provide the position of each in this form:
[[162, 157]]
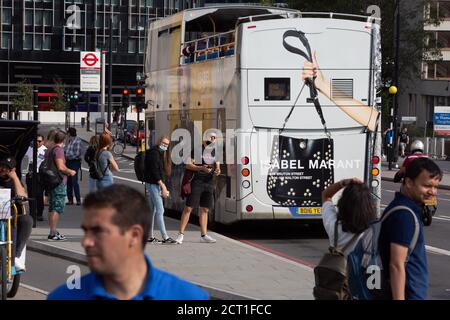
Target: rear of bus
[[282, 175]]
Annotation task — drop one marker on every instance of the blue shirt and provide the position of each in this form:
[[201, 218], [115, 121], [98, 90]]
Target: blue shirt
[[399, 229], [160, 285]]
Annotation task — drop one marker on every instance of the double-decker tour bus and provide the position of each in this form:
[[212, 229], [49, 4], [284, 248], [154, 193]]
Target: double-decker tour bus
[[245, 72]]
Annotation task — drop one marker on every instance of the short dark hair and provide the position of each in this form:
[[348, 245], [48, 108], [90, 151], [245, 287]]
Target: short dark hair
[[72, 132], [415, 168], [60, 136], [130, 205], [356, 209], [40, 136]]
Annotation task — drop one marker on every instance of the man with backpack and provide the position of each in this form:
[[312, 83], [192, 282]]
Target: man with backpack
[[405, 263], [57, 194]]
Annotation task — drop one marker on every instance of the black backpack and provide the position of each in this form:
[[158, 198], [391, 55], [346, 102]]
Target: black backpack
[[139, 166], [331, 276], [49, 175], [95, 171]]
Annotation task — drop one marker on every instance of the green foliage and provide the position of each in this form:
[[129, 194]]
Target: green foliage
[[58, 102], [24, 98], [266, 2]]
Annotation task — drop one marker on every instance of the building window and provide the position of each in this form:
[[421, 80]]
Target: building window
[[37, 42], [141, 45], [115, 2], [47, 42], [28, 42], [99, 20], [443, 69], [48, 21], [131, 45], [29, 17], [38, 18], [116, 21], [444, 10], [6, 38], [132, 3], [6, 16], [133, 22], [430, 70]]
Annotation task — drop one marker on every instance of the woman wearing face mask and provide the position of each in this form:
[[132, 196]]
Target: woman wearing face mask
[[157, 163]]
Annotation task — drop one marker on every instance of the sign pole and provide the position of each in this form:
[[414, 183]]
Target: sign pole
[[102, 111]]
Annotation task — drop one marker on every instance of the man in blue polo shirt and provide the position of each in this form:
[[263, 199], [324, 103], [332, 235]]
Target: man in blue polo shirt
[[116, 223], [408, 276]]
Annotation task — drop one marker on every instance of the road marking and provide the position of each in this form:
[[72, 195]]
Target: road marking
[[392, 191], [33, 289], [119, 178], [441, 218], [437, 251]]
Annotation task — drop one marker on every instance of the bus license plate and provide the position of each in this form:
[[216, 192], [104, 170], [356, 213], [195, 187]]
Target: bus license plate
[[312, 210]]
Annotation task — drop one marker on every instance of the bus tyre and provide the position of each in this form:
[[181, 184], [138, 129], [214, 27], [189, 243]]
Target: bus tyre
[[4, 273], [12, 291]]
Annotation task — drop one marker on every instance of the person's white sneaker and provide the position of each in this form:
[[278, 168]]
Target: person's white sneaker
[[179, 238], [207, 239], [19, 264]]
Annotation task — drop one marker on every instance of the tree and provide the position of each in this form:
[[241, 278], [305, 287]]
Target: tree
[[59, 102], [24, 98]]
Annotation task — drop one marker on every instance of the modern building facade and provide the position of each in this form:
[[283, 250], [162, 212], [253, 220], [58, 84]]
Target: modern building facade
[[419, 96], [41, 40]]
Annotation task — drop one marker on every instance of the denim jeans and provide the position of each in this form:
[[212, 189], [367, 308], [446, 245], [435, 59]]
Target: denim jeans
[[156, 209], [72, 182], [104, 182], [92, 185]]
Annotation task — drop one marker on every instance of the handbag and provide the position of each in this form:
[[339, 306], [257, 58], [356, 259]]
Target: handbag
[[299, 171], [299, 168], [186, 188]]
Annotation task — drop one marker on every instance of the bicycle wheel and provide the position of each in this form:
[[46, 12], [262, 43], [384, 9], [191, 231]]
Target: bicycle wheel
[[4, 273], [118, 149], [12, 290]]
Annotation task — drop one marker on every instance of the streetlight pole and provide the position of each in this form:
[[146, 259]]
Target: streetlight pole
[[34, 166], [108, 120], [396, 79]]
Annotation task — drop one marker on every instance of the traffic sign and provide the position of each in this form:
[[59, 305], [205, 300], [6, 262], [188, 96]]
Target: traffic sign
[[90, 67]]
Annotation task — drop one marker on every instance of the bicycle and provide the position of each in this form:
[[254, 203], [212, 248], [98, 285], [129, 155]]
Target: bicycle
[[9, 276], [118, 147]]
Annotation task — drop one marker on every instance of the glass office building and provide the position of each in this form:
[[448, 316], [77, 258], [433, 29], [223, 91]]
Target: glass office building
[[41, 40]]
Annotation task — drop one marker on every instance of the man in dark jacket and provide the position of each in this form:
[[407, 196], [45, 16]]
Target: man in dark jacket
[[154, 175]]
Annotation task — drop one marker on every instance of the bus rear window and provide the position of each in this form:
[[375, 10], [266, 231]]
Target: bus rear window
[[277, 88]]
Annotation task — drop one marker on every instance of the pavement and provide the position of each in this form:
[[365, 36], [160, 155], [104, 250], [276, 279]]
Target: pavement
[[227, 269]]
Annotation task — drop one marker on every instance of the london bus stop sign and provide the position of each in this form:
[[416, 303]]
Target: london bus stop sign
[[90, 67]]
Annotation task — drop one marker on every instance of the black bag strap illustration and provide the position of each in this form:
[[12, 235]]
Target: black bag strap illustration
[[309, 82]]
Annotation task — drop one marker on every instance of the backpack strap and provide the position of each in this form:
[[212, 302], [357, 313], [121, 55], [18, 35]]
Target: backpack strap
[[413, 243], [336, 224], [98, 164]]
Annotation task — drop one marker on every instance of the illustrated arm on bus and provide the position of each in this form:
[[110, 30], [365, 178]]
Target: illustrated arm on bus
[[358, 111]]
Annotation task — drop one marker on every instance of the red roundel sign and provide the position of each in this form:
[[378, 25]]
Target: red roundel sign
[[90, 59]]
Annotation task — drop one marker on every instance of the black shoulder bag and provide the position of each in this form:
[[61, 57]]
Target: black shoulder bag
[[302, 184]]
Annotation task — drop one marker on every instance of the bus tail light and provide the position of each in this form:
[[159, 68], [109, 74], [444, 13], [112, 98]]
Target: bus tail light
[[245, 172], [245, 184], [375, 160], [245, 160], [249, 208]]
